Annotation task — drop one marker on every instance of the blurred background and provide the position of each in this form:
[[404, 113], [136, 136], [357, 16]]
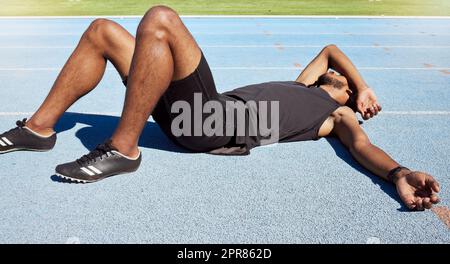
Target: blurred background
[[228, 7]]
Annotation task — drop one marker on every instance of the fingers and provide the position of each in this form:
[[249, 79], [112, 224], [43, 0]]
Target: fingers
[[378, 107], [368, 114], [422, 191], [362, 108], [369, 111], [411, 204], [432, 184], [374, 110], [409, 201], [427, 203], [434, 198], [419, 204]]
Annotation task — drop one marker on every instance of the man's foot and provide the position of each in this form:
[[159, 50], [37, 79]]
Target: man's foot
[[23, 138], [104, 161]]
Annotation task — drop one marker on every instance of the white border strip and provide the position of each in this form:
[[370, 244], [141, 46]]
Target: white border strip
[[417, 113], [256, 68], [231, 16]]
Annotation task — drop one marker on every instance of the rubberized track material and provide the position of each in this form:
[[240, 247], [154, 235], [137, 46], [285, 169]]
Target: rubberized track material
[[304, 192]]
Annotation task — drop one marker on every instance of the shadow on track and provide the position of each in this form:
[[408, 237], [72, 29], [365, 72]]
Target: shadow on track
[[101, 127], [346, 156]]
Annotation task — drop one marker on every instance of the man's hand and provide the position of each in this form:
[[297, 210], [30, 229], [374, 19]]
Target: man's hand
[[418, 190], [367, 103]]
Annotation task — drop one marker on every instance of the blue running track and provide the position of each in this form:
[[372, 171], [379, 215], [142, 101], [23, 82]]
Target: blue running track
[[303, 192]]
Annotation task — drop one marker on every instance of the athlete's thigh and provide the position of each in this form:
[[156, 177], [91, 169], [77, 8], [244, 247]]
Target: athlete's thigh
[[185, 51], [118, 45]]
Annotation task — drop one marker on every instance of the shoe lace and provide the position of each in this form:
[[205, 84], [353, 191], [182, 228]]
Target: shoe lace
[[19, 123], [97, 153]]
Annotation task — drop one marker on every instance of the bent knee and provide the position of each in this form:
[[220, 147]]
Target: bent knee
[[331, 47], [162, 14], [100, 28], [159, 19]]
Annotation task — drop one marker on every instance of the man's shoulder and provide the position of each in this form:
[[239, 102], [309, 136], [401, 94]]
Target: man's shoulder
[[343, 111], [341, 116]]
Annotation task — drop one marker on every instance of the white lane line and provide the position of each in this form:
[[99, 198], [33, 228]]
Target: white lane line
[[359, 68], [321, 46], [31, 69], [39, 34], [255, 68], [269, 33], [232, 16], [415, 112], [264, 46], [384, 112]]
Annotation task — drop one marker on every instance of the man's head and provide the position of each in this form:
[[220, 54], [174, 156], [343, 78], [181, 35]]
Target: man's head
[[337, 86]]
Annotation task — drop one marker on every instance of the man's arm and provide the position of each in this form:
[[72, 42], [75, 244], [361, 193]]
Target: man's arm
[[317, 67], [416, 189], [332, 57]]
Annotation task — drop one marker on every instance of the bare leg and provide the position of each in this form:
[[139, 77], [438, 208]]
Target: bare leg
[[165, 51], [103, 40]]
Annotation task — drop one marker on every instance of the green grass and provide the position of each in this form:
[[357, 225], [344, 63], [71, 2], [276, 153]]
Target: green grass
[[227, 7]]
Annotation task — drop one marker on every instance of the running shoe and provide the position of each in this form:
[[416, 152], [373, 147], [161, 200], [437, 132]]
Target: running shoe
[[23, 138], [102, 162]]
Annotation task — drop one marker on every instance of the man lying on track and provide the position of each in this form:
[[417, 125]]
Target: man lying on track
[[166, 73]]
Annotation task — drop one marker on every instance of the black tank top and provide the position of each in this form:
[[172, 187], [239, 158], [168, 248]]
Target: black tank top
[[302, 110]]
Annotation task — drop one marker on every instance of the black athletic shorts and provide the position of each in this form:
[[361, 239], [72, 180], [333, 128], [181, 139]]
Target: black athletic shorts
[[200, 81]]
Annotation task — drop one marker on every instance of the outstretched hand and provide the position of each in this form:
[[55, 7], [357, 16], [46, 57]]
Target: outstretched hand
[[418, 190], [367, 104]]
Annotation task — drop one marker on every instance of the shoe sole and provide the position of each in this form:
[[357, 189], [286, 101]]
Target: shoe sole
[[24, 149], [75, 180]]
